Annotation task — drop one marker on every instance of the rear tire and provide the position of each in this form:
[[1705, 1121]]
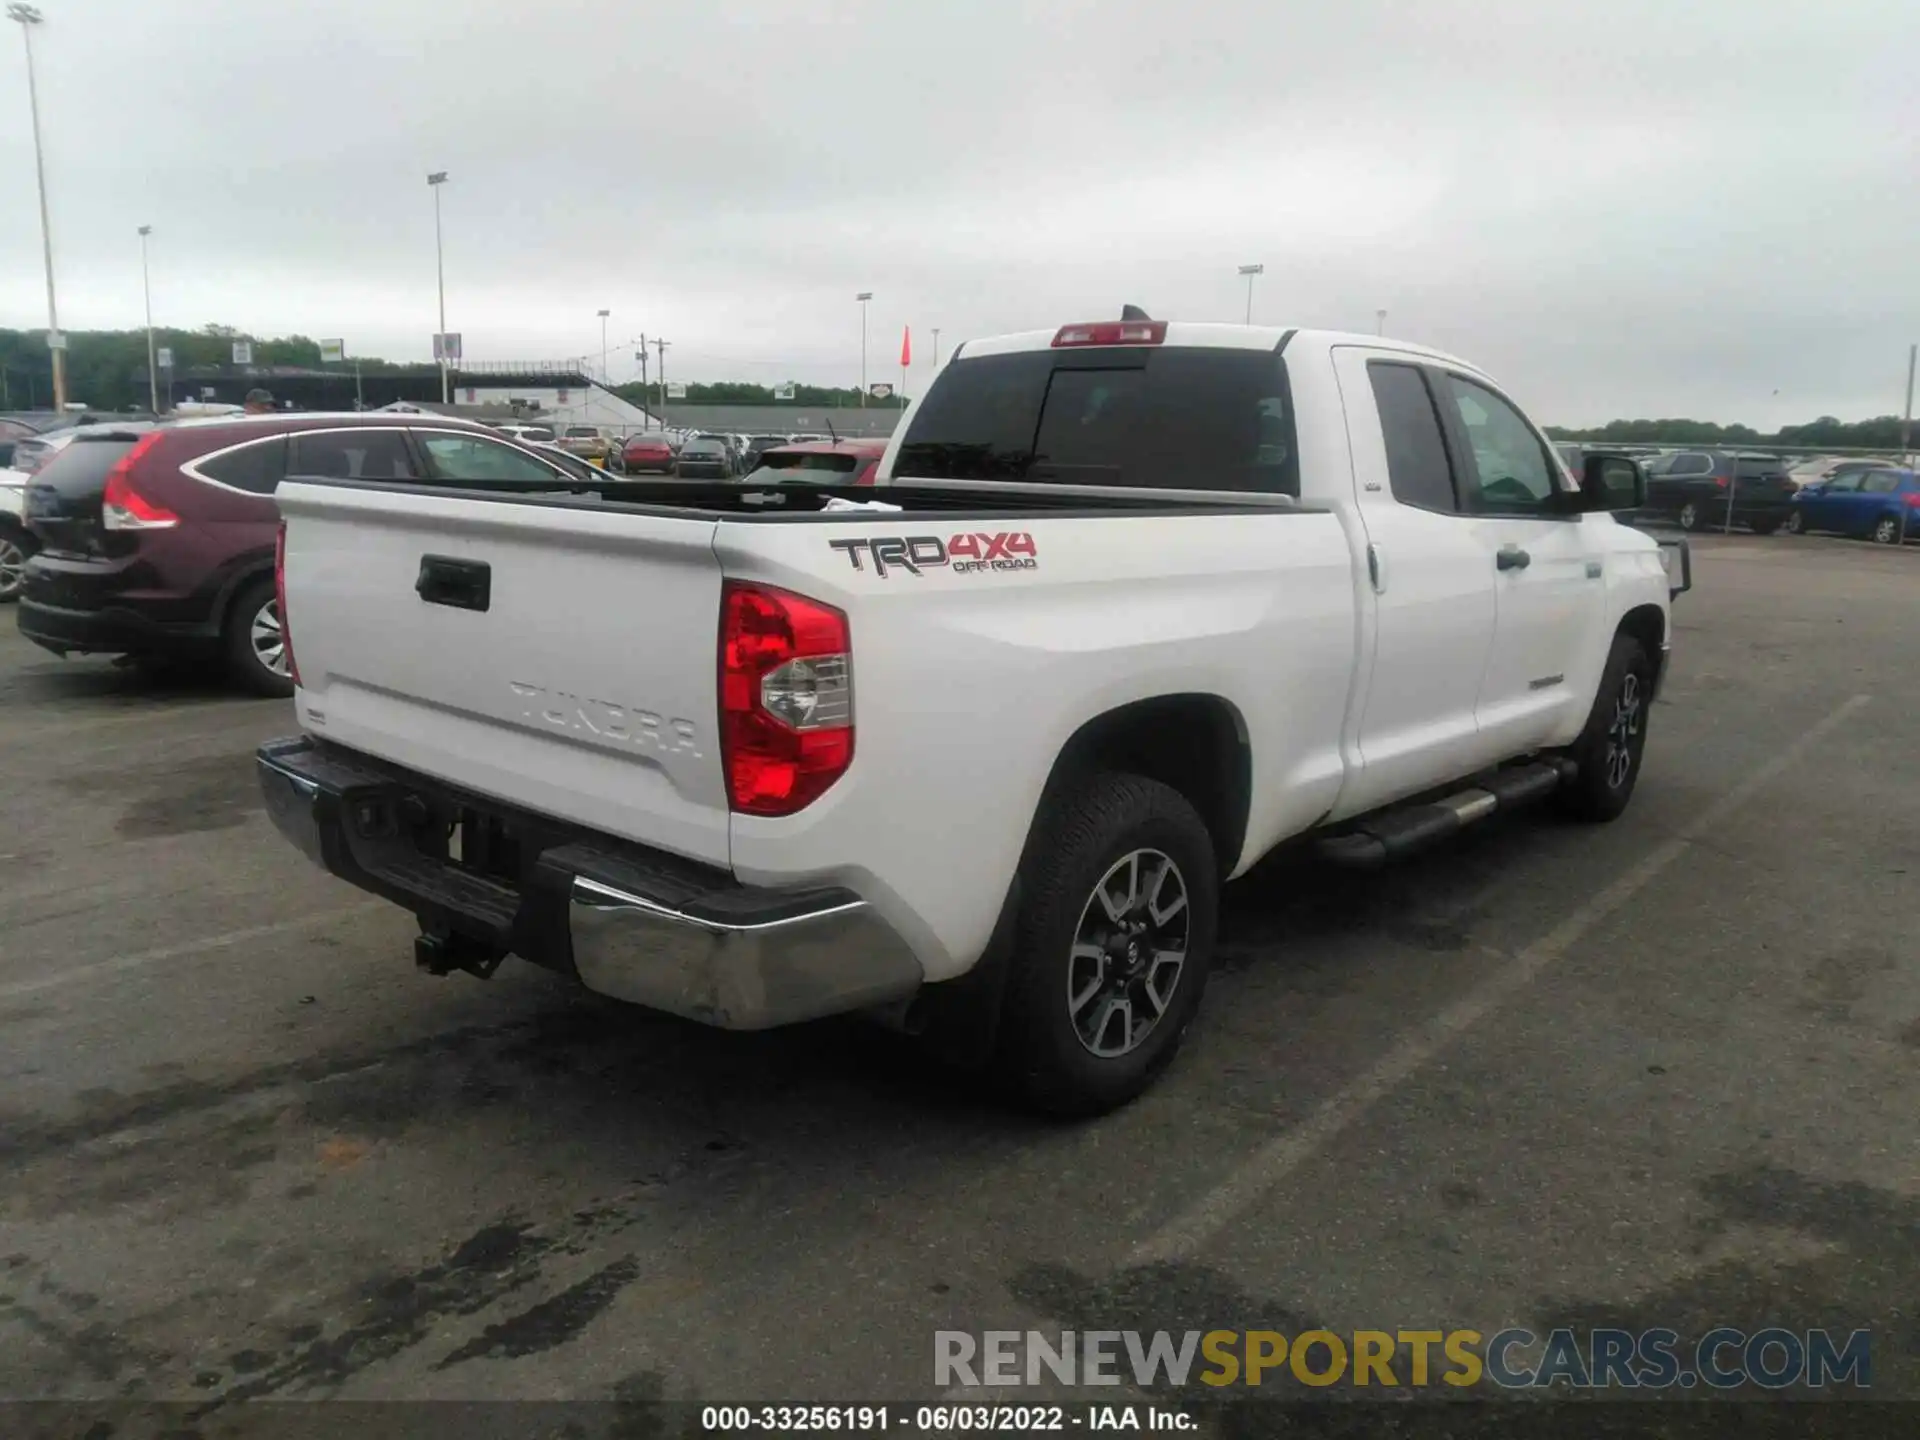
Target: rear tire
[[256, 644], [1886, 530], [1611, 747], [1120, 894], [16, 548], [1763, 527], [1689, 516]]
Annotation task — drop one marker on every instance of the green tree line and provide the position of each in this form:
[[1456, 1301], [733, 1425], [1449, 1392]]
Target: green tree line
[[107, 369], [1828, 432]]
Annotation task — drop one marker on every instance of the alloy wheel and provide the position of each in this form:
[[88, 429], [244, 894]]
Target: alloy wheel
[[268, 640], [1622, 733], [13, 566], [1886, 531], [1794, 523], [1128, 953], [1689, 516]]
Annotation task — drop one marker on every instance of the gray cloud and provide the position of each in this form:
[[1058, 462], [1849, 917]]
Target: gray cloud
[[1620, 208]]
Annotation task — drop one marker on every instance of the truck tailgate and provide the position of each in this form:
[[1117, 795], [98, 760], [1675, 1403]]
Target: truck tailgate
[[562, 658]]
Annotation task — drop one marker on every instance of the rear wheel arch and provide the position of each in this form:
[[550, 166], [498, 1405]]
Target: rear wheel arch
[[1194, 743]]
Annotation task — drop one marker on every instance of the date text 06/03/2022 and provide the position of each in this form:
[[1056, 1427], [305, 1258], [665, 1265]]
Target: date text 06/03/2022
[[994, 1419]]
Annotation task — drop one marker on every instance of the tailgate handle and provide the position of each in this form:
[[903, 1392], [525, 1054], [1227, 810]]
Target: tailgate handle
[[462, 584]]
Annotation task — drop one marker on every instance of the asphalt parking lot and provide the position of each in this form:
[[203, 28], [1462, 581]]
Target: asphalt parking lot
[[1665, 1072]]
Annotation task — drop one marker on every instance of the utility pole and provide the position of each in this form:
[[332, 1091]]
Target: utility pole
[[863, 297], [1250, 271], [146, 289], [641, 354], [660, 349], [1906, 418], [434, 182], [27, 17]]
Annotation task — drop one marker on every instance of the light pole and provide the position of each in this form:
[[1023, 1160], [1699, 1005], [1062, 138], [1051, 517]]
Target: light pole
[[606, 376], [936, 347], [434, 182], [1379, 322], [27, 17], [1250, 271], [146, 289], [863, 297]]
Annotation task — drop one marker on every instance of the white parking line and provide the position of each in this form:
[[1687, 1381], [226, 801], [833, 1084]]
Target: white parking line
[[120, 964], [1279, 1157]]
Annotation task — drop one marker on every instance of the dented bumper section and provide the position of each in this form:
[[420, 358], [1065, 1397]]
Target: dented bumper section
[[629, 922]]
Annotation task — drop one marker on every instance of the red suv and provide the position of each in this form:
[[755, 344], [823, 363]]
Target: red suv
[[159, 539]]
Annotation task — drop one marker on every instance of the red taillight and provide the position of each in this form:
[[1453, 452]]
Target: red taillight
[[1912, 498], [1719, 482], [280, 600], [786, 698], [122, 507], [1112, 332]]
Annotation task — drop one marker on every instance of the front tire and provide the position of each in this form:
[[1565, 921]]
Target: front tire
[[1609, 750], [257, 657], [1120, 896], [1794, 524], [16, 548]]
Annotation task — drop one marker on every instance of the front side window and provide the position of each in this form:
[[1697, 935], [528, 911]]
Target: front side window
[[1417, 464], [352, 455], [1511, 469], [474, 459]]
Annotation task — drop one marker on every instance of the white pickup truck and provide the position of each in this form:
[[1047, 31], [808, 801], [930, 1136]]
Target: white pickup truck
[[1146, 599]]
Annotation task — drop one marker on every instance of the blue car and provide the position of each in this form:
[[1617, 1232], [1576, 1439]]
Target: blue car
[[1882, 505]]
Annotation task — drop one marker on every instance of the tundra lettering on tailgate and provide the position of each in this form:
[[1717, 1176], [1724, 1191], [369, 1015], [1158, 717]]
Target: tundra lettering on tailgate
[[970, 552], [581, 714]]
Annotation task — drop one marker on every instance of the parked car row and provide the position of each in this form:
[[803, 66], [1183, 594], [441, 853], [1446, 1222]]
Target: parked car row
[[1764, 492]]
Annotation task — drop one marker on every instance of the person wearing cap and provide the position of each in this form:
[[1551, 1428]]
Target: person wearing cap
[[259, 402]]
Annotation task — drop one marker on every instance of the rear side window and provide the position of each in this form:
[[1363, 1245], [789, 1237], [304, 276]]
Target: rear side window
[[257, 468], [1753, 467], [1690, 464], [353, 455], [1880, 482], [1173, 418], [1417, 464]]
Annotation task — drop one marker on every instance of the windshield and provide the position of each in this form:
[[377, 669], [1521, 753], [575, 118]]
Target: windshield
[[806, 465]]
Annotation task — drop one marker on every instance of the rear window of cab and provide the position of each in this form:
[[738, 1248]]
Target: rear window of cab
[[1175, 418]]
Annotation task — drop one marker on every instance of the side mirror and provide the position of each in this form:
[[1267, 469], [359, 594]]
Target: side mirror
[[1612, 482]]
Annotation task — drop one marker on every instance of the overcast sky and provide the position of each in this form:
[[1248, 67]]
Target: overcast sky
[[1619, 207]]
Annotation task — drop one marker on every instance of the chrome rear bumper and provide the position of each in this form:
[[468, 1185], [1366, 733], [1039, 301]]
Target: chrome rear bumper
[[630, 923]]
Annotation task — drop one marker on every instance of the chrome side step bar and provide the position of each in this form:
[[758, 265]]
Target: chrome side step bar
[[1374, 840]]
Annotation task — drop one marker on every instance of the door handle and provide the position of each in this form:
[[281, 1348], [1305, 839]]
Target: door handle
[[1512, 557], [460, 584]]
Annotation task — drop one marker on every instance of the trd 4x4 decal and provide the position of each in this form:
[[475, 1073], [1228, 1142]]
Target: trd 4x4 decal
[[970, 552]]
